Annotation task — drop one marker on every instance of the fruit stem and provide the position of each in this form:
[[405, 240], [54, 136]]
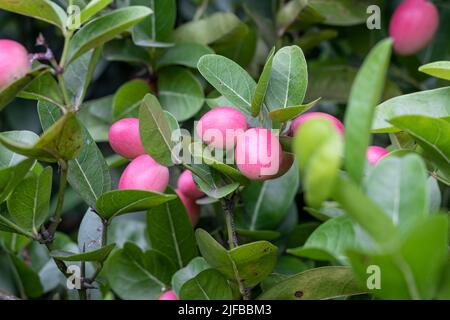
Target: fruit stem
[[227, 205]]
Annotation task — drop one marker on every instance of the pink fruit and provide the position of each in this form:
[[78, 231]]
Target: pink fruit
[[187, 186], [374, 154], [258, 154], [125, 139], [168, 295], [286, 163], [413, 25], [220, 127], [302, 118], [144, 173], [14, 62], [192, 208]]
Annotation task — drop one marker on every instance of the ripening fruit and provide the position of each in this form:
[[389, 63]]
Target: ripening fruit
[[168, 295], [413, 25], [296, 123], [14, 62], [192, 208], [374, 154], [258, 154], [125, 139], [144, 173], [287, 161], [220, 127], [187, 186]]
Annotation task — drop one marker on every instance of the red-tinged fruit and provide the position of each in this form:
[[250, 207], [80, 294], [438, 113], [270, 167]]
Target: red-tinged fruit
[[374, 154], [144, 173], [297, 122], [125, 139], [192, 208], [413, 26], [258, 154], [14, 62], [287, 161], [220, 127], [187, 186], [168, 295]]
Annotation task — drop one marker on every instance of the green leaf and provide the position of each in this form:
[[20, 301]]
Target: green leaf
[[399, 187], [8, 93], [431, 103], [92, 8], [211, 182], [117, 202], [432, 134], [320, 283], [329, 241], [158, 27], [128, 98], [96, 116], [183, 54], [45, 10], [289, 12], [342, 12], [90, 232], [439, 69], [9, 158], [44, 87], [137, 275], [29, 203], [10, 177], [288, 113], [125, 50], [313, 38], [412, 271], [29, 280], [266, 203], [365, 95], [180, 92], [288, 79], [261, 87], [88, 173], [364, 211], [207, 285], [60, 141], [233, 82], [193, 268], [211, 29], [155, 131], [98, 255], [77, 76], [104, 28], [170, 231], [248, 263]]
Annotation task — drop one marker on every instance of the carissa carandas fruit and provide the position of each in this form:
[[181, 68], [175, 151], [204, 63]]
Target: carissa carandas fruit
[[220, 127], [192, 208], [413, 25], [374, 154], [144, 173], [187, 186], [258, 154], [125, 139], [168, 295], [297, 122], [14, 62]]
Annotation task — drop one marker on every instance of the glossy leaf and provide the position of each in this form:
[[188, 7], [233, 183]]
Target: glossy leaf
[[88, 173], [342, 12], [365, 95], [183, 54], [125, 50], [170, 231], [44, 87], [288, 79], [289, 113], [180, 93], [316, 284], [90, 232], [92, 8], [155, 131], [10, 177], [209, 284], [430, 103], [261, 87], [128, 98], [192, 269], [266, 203], [137, 275], [117, 202], [105, 28], [29, 203], [233, 82], [439, 69], [98, 255], [211, 182]]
